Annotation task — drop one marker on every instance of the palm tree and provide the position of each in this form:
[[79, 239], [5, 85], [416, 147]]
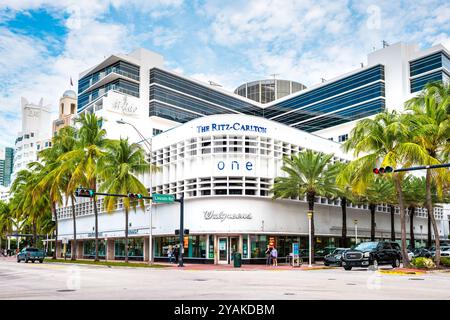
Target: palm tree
[[430, 123], [5, 221], [82, 161], [58, 177], [414, 188], [377, 192], [386, 141], [308, 173], [118, 170]]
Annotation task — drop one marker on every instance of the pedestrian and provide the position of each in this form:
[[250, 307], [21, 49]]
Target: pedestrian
[[170, 254], [268, 256], [176, 253], [274, 254]]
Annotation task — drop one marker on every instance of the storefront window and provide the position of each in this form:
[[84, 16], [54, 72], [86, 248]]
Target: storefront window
[[89, 248], [245, 246], [258, 245], [211, 247], [135, 247], [194, 246]]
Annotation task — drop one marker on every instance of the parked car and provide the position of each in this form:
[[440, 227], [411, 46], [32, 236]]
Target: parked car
[[334, 258], [373, 254], [445, 251], [410, 255], [31, 254], [422, 252]]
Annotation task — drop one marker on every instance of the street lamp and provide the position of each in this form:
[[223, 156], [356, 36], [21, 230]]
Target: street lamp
[[356, 231], [149, 148], [310, 213]]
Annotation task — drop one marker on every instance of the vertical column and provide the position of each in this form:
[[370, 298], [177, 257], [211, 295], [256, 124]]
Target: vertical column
[[146, 248], [80, 249], [216, 250], [110, 249], [240, 245], [58, 249]]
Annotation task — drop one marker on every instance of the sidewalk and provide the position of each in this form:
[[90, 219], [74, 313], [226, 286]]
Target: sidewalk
[[244, 267]]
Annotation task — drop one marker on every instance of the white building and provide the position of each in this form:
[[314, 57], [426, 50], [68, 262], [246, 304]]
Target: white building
[[225, 165], [35, 135]]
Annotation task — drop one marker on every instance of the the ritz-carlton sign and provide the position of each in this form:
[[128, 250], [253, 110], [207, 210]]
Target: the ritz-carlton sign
[[217, 127]]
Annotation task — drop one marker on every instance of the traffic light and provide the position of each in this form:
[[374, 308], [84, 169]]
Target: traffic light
[[83, 192], [134, 195], [382, 170]]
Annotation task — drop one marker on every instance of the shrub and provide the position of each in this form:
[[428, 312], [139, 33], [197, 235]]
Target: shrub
[[422, 262], [445, 261]]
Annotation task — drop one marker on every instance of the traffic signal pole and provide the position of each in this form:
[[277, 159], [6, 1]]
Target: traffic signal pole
[[434, 166], [180, 258]]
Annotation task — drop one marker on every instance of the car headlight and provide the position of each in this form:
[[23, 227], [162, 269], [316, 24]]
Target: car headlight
[[338, 257], [366, 254]]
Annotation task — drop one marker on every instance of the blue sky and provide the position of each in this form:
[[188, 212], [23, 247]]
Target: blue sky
[[43, 43]]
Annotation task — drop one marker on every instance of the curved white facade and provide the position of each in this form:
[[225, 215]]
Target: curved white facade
[[225, 165]]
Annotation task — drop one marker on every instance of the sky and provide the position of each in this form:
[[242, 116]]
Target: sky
[[44, 43]]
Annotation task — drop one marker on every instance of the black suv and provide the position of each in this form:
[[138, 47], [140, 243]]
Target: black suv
[[373, 254]]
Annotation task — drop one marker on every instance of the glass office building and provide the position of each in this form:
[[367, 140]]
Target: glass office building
[[434, 67]]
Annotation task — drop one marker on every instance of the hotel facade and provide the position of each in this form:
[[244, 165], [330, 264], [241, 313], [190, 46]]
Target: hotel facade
[[222, 152]]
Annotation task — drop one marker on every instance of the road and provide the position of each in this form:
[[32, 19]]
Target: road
[[62, 281]]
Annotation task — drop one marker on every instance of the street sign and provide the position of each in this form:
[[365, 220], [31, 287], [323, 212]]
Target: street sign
[[177, 231], [163, 198]]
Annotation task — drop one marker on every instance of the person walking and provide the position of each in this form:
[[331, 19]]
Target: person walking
[[170, 254], [274, 254], [175, 253], [268, 256]]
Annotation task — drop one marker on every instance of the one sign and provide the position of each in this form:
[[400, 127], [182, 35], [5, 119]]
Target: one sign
[[295, 249], [271, 242], [231, 127], [163, 198], [186, 241]]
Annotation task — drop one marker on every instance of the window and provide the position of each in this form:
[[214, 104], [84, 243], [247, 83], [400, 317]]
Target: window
[[72, 108], [343, 137], [331, 139], [156, 131]]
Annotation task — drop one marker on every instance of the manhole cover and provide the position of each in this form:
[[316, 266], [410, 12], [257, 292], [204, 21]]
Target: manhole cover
[[331, 279], [351, 284], [200, 280], [416, 279], [65, 290], [289, 294]]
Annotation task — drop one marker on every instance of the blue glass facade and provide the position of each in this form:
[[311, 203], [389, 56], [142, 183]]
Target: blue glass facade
[[437, 61], [122, 68], [213, 100]]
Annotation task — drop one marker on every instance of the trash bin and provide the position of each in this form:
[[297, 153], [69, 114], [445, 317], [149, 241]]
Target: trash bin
[[237, 260]]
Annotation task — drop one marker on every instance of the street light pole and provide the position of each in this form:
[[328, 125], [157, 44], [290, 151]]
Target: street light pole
[[356, 231], [310, 240], [149, 148]]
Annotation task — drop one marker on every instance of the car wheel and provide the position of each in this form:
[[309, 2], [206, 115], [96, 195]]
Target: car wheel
[[26, 260], [348, 268], [396, 263], [374, 264], [32, 261], [326, 264], [18, 260], [40, 261]]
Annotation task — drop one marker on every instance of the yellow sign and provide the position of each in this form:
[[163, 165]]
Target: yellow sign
[[186, 241]]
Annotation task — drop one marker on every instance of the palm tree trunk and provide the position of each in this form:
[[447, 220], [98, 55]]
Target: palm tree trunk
[[392, 211], [56, 228], [310, 197], [429, 231], [411, 226], [372, 208], [34, 233], [126, 235], [94, 202], [429, 204], [398, 187], [74, 244], [344, 221]]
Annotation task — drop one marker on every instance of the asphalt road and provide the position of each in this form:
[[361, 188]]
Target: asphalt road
[[62, 281]]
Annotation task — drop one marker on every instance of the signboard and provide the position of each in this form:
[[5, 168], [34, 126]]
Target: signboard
[[163, 198], [295, 249], [271, 242], [224, 127], [186, 241]]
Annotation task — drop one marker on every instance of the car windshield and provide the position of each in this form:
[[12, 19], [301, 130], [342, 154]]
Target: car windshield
[[366, 246], [338, 251], [446, 249], [32, 250]]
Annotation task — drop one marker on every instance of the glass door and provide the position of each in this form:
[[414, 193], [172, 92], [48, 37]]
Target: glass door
[[234, 243], [223, 250]]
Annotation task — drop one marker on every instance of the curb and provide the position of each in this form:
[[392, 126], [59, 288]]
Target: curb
[[403, 273]]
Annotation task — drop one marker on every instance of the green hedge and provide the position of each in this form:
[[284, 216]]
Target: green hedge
[[445, 261], [422, 262]]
